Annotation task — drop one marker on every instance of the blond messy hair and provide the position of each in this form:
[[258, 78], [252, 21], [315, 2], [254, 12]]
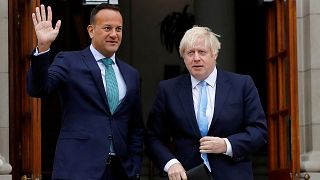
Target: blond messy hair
[[192, 35]]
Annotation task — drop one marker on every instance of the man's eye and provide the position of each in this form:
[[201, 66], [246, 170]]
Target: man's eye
[[107, 28], [202, 52], [119, 29]]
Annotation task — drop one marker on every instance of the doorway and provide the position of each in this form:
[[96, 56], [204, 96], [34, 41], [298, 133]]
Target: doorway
[[250, 54], [250, 59], [72, 36]]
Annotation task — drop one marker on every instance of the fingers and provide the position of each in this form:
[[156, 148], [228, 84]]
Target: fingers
[[58, 25], [49, 13], [34, 19], [206, 138], [43, 13], [205, 147], [208, 144], [178, 176], [211, 144], [40, 14], [177, 172], [184, 176]]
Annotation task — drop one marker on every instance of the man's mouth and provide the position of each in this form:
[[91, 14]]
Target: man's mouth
[[197, 66]]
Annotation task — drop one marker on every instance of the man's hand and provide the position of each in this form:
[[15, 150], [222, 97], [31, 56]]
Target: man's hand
[[209, 144], [45, 33], [177, 172]]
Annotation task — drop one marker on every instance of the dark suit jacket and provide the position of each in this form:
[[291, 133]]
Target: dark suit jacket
[[238, 116], [83, 144]]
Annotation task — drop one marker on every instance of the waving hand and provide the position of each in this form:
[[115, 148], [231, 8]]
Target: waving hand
[[45, 32]]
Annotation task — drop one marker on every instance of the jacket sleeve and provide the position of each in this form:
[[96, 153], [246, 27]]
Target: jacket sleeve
[[157, 135], [43, 78], [254, 133]]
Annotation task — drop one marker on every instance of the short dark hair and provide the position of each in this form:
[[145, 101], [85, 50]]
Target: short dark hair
[[100, 7]]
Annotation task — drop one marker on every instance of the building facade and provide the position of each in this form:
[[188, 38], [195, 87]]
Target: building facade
[[308, 46]]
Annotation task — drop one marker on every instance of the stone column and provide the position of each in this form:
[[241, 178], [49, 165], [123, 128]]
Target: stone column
[[308, 40], [5, 167]]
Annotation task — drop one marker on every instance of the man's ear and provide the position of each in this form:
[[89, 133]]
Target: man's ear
[[215, 55], [90, 30]]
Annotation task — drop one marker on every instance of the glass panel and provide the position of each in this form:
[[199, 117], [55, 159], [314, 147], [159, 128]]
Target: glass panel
[[288, 140], [274, 91], [285, 25], [286, 81]]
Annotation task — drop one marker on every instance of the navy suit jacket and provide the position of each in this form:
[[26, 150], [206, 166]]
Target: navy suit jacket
[[86, 121], [238, 116]]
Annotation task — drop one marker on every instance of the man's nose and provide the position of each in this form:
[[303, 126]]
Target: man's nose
[[196, 56], [113, 33]]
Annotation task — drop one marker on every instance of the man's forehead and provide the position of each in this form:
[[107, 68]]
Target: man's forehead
[[197, 46]]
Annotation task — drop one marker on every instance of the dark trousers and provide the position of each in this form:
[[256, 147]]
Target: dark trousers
[[114, 171]]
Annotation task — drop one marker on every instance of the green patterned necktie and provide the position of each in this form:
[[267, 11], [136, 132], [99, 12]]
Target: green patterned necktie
[[112, 85]]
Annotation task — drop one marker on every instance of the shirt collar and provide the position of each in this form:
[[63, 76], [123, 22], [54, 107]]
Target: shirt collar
[[211, 79], [98, 56]]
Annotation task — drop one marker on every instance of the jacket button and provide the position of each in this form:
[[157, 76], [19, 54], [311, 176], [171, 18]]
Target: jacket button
[[110, 137]]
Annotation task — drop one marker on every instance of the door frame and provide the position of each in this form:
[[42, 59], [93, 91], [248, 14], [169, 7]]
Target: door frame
[[282, 111], [24, 115]]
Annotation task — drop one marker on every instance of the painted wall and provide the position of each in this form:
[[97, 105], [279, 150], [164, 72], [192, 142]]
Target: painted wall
[[148, 54], [219, 16]]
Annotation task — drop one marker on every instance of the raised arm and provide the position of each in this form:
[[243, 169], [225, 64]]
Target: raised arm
[[45, 32]]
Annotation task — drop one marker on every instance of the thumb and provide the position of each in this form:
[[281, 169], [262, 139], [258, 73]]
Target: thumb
[[184, 176], [58, 25]]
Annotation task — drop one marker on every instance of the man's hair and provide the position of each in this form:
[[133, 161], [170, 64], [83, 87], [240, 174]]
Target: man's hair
[[100, 7], [192, 35]]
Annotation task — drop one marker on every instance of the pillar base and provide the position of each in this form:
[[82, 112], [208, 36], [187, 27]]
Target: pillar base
[[310, 162], [5, 177], [5, 168]]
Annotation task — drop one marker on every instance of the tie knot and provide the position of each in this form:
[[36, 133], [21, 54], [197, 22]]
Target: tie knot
[[203, 83], [107, 61]]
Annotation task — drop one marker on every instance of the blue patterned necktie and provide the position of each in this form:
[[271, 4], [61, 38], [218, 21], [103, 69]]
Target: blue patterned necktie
[[112, 85], [112, 90], [202, 118]]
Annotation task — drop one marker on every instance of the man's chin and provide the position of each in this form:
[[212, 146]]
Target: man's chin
[[199, 76], [112, 49]]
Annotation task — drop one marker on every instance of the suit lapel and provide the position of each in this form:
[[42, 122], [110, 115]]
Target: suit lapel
[[92, 65], [186, 100], [222, 90]]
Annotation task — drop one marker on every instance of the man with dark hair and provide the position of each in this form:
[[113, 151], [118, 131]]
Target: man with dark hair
[[101, 134]]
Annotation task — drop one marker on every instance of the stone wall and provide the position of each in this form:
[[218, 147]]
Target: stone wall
[[5, 167], [308, 40]]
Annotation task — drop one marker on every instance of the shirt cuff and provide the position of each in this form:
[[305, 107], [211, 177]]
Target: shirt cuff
[[36, 52], [169, 164], [229, 147]]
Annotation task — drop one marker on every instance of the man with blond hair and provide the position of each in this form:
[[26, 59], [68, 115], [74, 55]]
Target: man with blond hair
[[208, 116]]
